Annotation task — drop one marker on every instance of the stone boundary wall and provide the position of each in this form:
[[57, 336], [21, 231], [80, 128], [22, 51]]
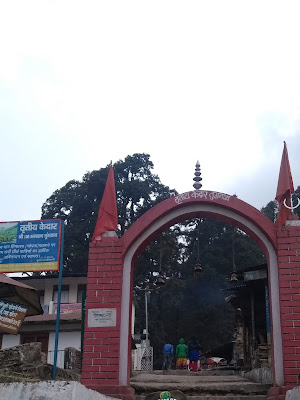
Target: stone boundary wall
[[293, 394], [259, 375], [50, 390]]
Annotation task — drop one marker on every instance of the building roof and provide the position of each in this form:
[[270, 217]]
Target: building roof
[[52, 317], [50, 276], [253, 268], [18, 292]]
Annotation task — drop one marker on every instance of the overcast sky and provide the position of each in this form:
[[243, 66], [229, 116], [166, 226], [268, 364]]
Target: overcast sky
[[83, 83]]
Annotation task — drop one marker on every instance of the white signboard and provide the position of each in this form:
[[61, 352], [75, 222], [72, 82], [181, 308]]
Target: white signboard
[[102, 317]]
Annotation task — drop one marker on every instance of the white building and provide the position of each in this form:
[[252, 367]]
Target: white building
[[41, 328]]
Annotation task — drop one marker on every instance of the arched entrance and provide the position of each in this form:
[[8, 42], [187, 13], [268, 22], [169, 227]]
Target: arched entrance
[[106, 359], [230, 210]]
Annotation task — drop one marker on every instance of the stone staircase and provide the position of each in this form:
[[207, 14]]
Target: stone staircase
[[202, 385]]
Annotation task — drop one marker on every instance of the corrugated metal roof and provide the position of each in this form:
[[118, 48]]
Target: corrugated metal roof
[[51, 276], [52, 317], [18, 292]]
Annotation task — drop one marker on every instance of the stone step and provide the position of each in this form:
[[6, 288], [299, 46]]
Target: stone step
[[191, 378], [211, 388], [204, 372], [216, 397], [229, 397], [198, 386]]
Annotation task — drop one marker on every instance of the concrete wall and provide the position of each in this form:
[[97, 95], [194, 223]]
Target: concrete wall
[[73, 289], [48, 283], [48, 291], [293, 394], [259, 375], [10, 341], [51, 390], [65, 339]]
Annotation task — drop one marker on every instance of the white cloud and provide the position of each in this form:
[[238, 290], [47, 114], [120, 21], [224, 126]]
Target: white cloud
[[84, 83]]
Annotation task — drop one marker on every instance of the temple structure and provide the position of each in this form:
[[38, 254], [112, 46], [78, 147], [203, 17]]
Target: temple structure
[[107, 341]]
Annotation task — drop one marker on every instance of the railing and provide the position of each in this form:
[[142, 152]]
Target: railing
[[143, 359]]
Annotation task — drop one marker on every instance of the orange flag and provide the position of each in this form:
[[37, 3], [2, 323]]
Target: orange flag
[[107, 216], [285, 188]]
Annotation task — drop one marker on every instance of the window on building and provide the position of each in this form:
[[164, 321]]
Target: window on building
[[64, 299], [81, 289]]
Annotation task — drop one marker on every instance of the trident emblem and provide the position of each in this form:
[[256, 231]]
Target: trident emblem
[[292, 207]]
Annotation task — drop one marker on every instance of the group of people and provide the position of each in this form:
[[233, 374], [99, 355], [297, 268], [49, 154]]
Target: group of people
[[183, 353]]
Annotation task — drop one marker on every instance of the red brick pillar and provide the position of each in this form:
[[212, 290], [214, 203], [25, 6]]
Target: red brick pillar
[[289, 287], [101, 350]]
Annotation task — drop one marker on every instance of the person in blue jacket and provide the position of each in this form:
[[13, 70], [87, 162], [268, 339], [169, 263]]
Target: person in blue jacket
[[168, 351]]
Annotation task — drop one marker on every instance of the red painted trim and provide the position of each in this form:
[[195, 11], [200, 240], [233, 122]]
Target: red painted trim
[[167, 206]]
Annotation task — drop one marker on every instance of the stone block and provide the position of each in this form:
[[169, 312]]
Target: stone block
[[293, 394]]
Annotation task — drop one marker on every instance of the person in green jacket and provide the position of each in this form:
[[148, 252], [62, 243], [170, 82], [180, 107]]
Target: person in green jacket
[[182, 352]]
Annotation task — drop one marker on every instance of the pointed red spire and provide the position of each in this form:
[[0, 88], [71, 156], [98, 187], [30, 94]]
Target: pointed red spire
[[107, 216], [285, 188]]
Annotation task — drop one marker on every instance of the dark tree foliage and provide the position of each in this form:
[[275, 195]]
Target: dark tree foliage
[[192, 304], [271, 209], [296, 196], [189, 304], [138, 189], [77, 203]]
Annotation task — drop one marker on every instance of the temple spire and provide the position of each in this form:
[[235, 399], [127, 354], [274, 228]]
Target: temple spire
[[197, 185], [285, 189], [107, 220]]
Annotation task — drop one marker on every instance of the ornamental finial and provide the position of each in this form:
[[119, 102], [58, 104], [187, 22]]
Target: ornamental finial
[[197, 185]]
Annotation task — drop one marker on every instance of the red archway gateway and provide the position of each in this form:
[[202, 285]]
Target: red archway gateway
[[106, 356]]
